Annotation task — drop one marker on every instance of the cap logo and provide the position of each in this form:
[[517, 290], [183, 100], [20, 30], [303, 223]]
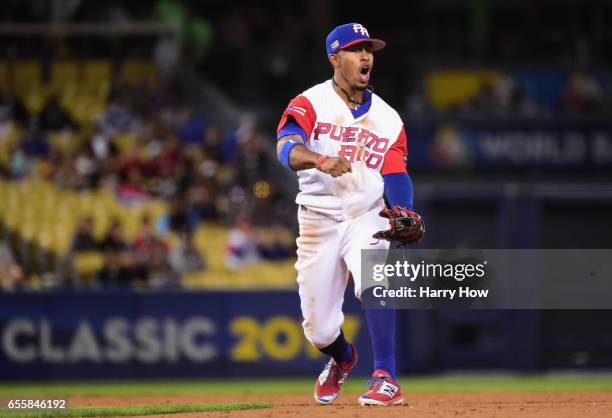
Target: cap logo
[[358, 28], [335, 44]]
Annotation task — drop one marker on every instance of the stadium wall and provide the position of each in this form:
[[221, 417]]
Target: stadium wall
[[204, 334]]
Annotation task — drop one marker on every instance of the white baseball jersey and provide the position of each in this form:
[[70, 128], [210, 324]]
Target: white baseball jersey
[[374, 143]]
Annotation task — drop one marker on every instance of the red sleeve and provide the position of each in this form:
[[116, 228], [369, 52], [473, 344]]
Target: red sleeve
[[395, 158], [302, 111]]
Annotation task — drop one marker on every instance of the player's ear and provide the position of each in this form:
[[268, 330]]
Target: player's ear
[[334, 60]]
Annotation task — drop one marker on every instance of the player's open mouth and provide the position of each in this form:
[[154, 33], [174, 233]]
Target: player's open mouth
[[364, 73]]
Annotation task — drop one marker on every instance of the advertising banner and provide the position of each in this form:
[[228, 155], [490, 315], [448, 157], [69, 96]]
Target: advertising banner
[[140, 335], [472, 145]]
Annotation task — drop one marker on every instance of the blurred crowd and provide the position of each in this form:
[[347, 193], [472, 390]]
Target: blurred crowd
[[147, 261], [580, 94], [150, 144]]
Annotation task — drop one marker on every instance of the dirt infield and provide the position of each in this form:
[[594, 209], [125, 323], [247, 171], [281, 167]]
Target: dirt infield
[[439, 405]]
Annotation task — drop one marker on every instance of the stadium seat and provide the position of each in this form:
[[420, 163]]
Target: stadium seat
[[137, 71], [25, 75], [96, 73], [3, 75], [211, 240], [27, 81], [88, 263], [446, 88], [125, 142], [64, 75]]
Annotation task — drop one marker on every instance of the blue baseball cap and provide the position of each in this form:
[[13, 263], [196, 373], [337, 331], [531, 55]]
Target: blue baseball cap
[[349, 34]]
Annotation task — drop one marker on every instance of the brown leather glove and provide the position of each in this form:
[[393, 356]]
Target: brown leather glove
[[405, 226]]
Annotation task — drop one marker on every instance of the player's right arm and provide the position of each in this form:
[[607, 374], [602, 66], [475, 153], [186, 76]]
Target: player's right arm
[[293, 132], [301, 158]]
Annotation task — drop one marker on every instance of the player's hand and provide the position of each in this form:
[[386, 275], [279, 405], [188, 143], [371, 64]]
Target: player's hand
[[335, 166]]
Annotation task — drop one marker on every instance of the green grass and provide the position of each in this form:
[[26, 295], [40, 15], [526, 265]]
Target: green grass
[[451, 383], [135, 410]]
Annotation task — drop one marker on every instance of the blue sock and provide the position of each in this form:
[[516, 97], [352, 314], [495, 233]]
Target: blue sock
[[381, 324], [340, 349]]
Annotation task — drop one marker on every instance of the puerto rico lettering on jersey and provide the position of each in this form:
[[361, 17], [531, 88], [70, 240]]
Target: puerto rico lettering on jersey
[[357, 144]]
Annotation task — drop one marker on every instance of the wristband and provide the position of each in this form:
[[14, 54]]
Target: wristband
[[320, 161]]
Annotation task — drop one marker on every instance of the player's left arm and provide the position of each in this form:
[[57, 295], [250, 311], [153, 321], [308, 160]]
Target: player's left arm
[[405, 225], [398, 184]]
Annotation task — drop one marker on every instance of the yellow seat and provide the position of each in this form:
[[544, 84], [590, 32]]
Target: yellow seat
[[446, 88], [25, 75], [34, 98], [172, 239], [45, 239], [63, 74], [88, 263], [125, 142], [136, 71], [211, 242], [84, 108], [270, 274], [4, 81], [96, 73], [62, 239]]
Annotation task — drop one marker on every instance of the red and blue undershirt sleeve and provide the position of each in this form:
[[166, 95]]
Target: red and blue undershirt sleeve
[[397, 182], [298, 119]]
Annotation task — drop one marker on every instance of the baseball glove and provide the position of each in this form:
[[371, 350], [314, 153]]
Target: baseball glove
[[406, 226]]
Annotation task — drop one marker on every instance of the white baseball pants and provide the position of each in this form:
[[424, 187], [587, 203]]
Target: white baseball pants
[[327, 251]]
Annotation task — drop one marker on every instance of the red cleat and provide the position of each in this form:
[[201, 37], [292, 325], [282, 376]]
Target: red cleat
[[330, 381], [384, 391]]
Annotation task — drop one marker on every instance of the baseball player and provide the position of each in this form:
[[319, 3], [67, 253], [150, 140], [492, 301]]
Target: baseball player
[[349, 150]]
